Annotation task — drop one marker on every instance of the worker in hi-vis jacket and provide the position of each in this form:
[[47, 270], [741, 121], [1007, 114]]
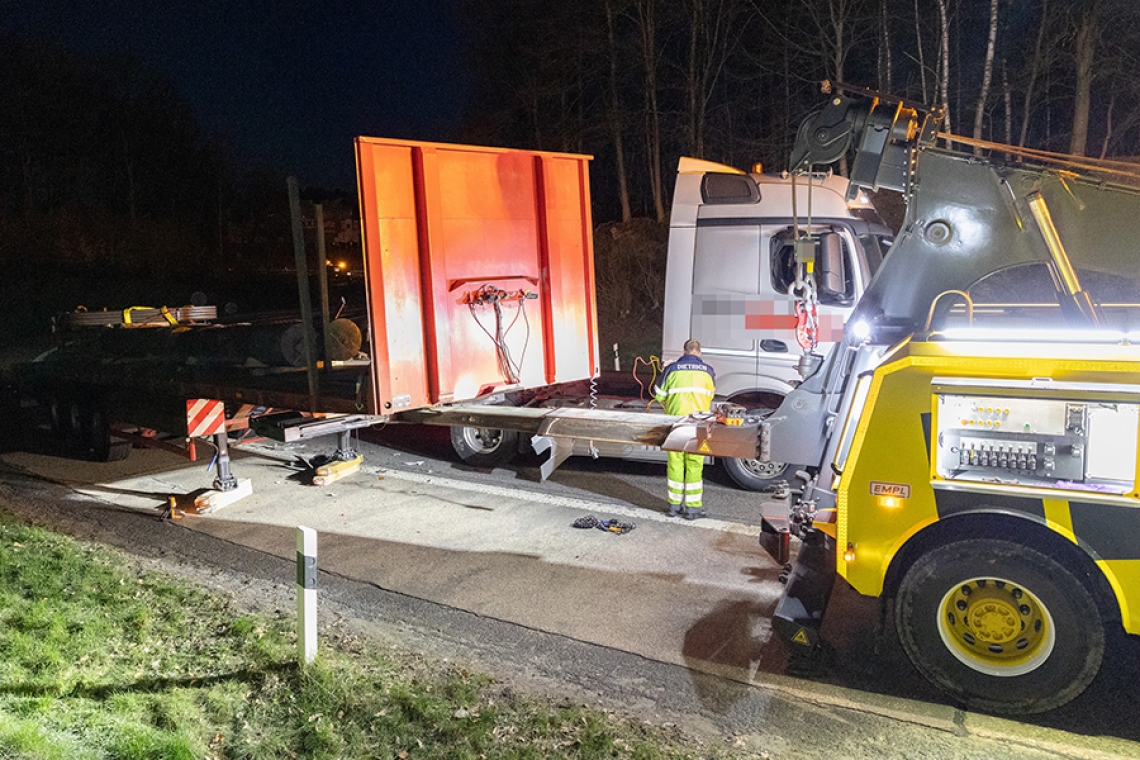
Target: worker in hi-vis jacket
[[686, 387]]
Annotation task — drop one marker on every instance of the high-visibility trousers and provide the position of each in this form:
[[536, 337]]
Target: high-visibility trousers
[[685, 484]]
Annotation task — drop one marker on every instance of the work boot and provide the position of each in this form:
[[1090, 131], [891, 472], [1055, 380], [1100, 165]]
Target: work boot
[[675, 510], [693, 514]]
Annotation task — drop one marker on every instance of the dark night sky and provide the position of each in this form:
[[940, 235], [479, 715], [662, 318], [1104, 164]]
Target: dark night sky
[[288, 81]]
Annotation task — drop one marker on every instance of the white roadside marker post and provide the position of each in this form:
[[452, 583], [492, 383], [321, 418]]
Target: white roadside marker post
[[306, 594]]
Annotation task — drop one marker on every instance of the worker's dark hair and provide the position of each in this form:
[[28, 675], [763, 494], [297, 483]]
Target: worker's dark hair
[[692, 346]]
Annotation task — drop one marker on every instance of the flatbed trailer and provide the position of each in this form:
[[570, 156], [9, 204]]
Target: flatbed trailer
[[478, 272]]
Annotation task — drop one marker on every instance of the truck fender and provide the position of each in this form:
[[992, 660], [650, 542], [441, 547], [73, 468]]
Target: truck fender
[[736, 385], [1025, 528]]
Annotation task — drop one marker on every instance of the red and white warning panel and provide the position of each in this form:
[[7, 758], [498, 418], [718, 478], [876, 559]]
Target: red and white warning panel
[[204, 417]]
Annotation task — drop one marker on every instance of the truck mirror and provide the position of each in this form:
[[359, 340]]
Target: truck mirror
[[832, 274]]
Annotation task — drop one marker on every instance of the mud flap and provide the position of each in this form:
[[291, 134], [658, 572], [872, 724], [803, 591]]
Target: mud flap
[[799, 613]]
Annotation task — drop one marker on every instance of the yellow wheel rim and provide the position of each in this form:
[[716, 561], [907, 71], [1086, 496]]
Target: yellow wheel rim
[[996, 627]]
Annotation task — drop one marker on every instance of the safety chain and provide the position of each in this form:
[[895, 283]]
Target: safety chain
[[803, 289], [807, 317]]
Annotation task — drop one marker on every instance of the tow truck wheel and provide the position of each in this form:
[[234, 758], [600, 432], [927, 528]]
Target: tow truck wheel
[[484, 447], [1001, 627]]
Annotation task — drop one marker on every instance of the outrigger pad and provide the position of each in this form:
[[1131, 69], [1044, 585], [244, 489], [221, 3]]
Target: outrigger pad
[[209, 501], [334, 471]]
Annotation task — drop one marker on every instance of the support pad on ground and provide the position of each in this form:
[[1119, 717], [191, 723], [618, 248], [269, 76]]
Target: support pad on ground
[[334, 471], [208, 501]]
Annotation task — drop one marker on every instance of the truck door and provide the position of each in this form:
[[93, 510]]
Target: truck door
[[742, 312]]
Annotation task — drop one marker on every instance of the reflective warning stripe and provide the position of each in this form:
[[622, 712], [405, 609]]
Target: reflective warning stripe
[[205, 416], [692, 389]]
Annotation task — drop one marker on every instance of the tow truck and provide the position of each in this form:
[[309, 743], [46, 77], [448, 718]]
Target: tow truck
[[970, 446]]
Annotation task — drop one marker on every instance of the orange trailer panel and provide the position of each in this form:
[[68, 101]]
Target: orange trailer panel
[[479, 270]]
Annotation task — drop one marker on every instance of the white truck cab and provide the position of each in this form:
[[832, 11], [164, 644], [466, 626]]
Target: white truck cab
[[730, 267]]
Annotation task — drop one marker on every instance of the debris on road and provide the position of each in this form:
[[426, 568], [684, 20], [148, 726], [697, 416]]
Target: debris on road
[[612, 525]]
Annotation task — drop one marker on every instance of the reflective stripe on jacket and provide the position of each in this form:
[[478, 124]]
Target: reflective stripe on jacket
[[687, 386]]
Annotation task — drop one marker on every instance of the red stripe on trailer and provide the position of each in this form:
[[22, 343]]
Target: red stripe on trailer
[[204, 416]]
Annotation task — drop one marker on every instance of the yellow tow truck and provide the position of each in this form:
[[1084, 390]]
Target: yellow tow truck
[[970, 449]]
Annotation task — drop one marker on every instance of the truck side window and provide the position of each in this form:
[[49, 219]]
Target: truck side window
[[784, 268]]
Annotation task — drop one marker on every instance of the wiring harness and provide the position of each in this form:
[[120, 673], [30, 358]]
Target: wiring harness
[[489, 295]]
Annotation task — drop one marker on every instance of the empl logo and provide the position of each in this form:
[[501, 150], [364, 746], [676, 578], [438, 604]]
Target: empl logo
[[900, 490]]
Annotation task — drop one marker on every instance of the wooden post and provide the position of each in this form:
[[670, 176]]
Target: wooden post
[[323, 279], [306, 594], [303, 289]]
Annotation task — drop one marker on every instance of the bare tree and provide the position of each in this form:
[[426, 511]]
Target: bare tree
[[1037, 64], [1007, 103], [944, 58], [987, 74], [885, 68], [921, 53], [713, 32], [646, 11], [1084, 55], [616, 120]]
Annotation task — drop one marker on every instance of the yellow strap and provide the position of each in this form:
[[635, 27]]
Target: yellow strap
[[165, 312]]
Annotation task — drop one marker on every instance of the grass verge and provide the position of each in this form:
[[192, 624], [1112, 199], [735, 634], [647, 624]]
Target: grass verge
[[99, 661]]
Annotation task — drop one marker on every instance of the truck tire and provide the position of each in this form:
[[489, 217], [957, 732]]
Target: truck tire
[[999, 626], [484, 447], [754, 475]]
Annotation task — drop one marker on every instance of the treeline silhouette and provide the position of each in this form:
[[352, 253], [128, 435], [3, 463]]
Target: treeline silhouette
[[113, 195]]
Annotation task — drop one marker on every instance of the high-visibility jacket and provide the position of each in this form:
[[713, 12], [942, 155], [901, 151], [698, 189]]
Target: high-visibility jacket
[[687, 386]]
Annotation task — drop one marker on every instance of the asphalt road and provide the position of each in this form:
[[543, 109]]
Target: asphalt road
[[667, 622]]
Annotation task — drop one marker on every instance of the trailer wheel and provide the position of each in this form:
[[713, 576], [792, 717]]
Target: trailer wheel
[[98, 439], [59, 416], [999, 626], [484, 447], [74, 429]]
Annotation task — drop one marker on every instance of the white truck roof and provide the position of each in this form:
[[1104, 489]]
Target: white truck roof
[[828, 192]]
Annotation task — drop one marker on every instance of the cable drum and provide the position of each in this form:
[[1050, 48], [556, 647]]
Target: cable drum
[[344, 342]]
